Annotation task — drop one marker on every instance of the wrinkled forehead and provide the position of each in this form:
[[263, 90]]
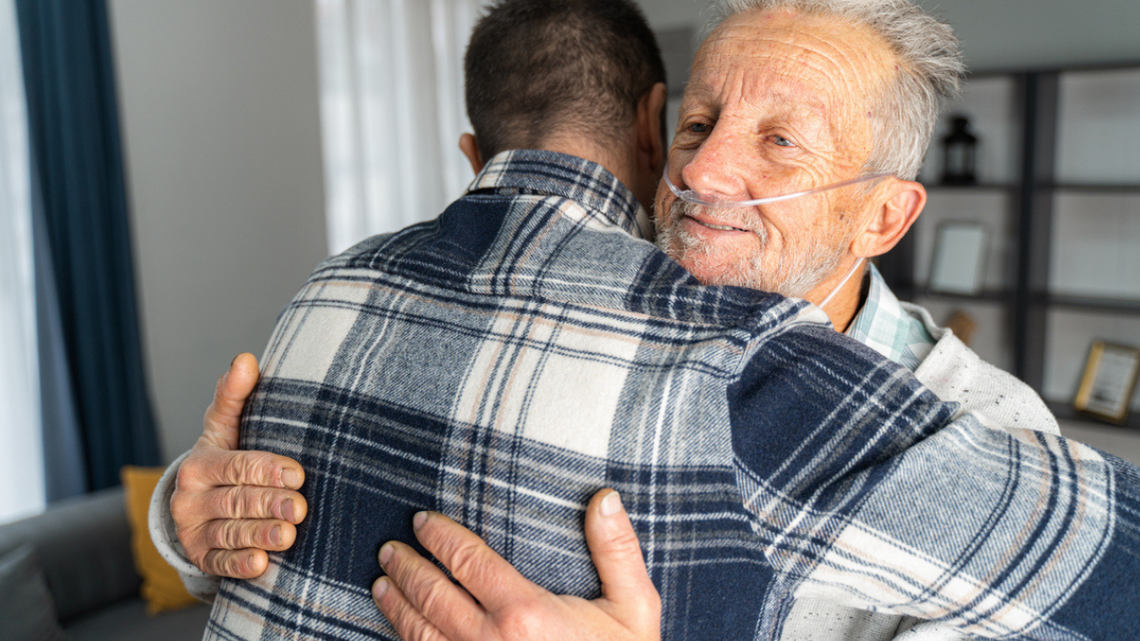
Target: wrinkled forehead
[[817, 67]]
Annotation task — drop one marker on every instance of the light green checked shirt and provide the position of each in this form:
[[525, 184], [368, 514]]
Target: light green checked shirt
[[884, 326]]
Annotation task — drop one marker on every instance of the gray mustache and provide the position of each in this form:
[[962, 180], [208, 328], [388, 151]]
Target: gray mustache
[[740, 218]]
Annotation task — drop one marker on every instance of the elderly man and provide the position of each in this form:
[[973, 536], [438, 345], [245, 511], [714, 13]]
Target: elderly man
[[783, 100]]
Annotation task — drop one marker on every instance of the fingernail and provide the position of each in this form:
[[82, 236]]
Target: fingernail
[[275, 535], [418, 520], [229, 369], [611, 505], [291, 478], [287, 510], [379, 588], [250, 564], [386, 554]]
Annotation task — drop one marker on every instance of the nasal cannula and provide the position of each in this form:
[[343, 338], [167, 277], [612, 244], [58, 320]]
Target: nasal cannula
[[690, 196]]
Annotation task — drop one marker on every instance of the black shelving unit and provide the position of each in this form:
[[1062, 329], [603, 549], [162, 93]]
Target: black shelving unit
[[1027, 299], [1096, 189], [1105, 305]]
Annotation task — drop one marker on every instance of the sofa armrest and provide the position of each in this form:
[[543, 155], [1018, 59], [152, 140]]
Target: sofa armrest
[[85, 549]]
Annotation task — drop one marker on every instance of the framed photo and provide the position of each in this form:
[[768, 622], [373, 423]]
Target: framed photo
[[959, 258], [1109, 381]]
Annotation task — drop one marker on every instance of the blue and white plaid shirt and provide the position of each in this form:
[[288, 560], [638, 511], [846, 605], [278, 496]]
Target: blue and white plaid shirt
[[883, 325], [505, 361]]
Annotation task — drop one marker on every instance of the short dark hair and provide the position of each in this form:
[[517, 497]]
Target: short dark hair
[[535, 67]]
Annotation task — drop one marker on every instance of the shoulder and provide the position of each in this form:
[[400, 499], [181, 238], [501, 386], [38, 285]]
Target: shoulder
[[811, 405], [956, 373]]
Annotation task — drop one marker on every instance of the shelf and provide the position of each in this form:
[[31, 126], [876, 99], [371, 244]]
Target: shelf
[[1086, 188], [1065, 411], [985, 296], [1087, 303], [975, 187], [1091, 303], [911, 292]]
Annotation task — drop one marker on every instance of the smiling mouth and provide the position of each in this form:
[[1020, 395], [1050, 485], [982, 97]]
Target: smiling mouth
[[716, 227]]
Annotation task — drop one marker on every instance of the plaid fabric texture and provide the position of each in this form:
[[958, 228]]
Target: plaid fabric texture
[[505, 361], [884, 326]]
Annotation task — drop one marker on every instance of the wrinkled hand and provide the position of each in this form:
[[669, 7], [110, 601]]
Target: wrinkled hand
[[230, 506], [499, 603]]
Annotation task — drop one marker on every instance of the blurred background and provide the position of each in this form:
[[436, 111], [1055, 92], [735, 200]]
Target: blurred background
[[173, 172]]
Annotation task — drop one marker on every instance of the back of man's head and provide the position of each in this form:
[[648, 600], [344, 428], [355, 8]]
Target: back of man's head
[[541, 68]]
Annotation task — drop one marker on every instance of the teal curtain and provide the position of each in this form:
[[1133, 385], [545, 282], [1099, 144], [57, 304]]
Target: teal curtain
[[80, 193]]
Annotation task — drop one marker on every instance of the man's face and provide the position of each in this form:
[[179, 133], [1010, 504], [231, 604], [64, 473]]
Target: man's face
[[776, 103]]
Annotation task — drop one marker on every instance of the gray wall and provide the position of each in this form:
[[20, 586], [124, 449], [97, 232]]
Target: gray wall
[[221, 121], [1003, 34], [1015, 34], [672, 13]]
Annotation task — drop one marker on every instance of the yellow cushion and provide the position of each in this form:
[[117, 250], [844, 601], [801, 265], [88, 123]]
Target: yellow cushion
[[161, 588]]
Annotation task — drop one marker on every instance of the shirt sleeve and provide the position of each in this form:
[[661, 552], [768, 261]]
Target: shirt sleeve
[[867, 490], [201, 585]]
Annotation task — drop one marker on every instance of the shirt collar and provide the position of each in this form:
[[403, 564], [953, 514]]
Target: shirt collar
[[548, 173], [883, 325]]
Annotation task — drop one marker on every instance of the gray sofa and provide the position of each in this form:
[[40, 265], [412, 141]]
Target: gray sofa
[[83, 546]]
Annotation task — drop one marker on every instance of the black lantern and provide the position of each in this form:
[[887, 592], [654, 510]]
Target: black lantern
[[959, 154]]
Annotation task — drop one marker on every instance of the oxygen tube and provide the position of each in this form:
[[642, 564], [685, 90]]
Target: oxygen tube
[[690, 196], [843, 282]]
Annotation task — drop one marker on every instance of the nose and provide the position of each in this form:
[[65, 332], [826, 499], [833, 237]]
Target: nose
[[716, 169]]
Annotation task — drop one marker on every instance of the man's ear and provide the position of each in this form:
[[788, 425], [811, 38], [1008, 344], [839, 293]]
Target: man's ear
[[470, 148], [891, 219], [650, 137]]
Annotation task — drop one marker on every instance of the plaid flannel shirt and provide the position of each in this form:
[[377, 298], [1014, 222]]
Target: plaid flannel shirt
[[506, 360]]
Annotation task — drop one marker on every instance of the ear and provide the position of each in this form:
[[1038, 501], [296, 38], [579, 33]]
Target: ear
[[470, 148], [892, 217], [650, 137]]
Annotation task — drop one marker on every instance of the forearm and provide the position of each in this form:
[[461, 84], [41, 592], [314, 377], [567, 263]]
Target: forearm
[[165, 537], [864, 490], [982, 531]]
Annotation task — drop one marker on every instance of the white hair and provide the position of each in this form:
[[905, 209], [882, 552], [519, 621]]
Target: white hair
[[929, 71]]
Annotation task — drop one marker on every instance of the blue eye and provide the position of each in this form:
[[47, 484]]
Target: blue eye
[[700, 128], [783, 142]]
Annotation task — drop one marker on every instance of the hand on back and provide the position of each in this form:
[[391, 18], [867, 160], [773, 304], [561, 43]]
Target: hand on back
[[499, 603], [231, 506]]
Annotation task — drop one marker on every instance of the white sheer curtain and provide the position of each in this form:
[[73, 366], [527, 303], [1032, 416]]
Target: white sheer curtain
[[21, 441], [392, 111]]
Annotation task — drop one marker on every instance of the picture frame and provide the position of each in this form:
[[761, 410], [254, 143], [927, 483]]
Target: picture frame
[[1109, 381], [958, 264]]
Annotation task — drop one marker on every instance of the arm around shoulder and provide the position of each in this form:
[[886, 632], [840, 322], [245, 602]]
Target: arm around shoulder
[[887, 498]]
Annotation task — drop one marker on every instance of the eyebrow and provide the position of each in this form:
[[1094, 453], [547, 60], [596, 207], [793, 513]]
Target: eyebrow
[[777, 96]]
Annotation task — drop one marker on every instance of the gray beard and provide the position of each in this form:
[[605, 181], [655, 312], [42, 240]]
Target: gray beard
[[792, 275]]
